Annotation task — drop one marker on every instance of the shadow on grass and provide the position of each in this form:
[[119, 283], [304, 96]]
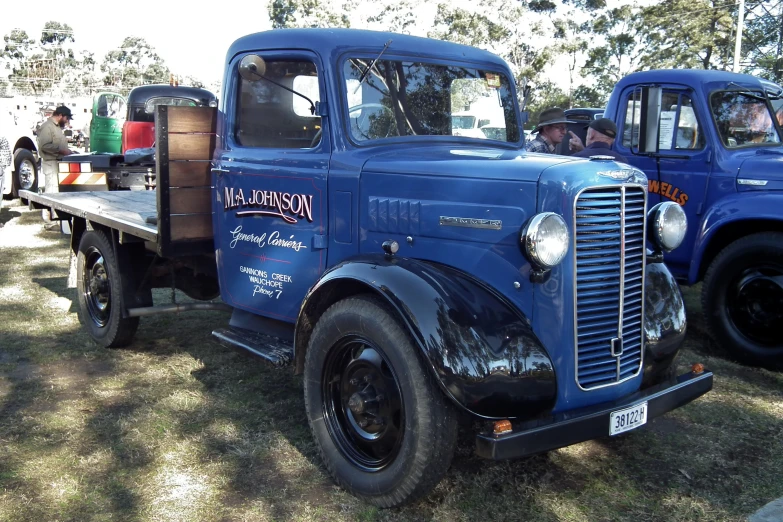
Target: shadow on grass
[[30, 396], [7, 214], [56, 285], [110, 486]]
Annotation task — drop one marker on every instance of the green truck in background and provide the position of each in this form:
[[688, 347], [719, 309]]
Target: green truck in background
[[108, 115]]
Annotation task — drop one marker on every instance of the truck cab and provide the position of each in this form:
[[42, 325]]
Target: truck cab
[[138, 129], [414, 276], [122, 132], [719, 156]]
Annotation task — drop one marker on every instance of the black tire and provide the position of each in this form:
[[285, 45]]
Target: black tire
[[25, 172], [358, 349], [742, 299], [99, 290]]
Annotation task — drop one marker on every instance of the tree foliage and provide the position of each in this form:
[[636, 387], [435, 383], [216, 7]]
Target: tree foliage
[[696, 34], [18, 53], [621, 51], [582, 46], [134, 63], [310, 13], [495, 25]]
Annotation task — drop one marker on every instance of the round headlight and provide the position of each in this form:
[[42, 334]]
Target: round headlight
[[668, 225], [545, 239]]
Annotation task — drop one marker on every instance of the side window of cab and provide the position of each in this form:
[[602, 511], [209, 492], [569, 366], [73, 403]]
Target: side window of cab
[[275, 107], [678, 128]]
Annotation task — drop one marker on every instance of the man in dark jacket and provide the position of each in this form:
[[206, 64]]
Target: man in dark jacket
[[600, 140]]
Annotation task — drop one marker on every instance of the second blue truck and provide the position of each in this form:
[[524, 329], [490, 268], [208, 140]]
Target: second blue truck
[[718, 155]]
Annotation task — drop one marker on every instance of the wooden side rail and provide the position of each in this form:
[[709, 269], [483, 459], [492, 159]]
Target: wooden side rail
[[185, 140]]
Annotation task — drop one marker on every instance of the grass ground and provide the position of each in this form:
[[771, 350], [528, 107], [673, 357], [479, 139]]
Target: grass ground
[[177, 427]]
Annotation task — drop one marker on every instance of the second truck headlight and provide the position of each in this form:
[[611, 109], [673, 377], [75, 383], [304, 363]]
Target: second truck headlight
[[545, 239], [667, 225]]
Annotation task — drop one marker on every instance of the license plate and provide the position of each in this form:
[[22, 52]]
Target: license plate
[[627, 419]]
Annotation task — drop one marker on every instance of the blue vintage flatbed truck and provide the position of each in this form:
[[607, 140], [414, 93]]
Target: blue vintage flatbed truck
[[414, 277], [719, 154]]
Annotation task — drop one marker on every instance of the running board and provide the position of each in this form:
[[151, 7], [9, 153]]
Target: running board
[[274, 350]]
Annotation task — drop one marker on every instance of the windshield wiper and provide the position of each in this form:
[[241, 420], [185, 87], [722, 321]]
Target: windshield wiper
[[366, 71]]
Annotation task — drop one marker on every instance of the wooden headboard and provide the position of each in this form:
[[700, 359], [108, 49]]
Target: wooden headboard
[[184, 140]]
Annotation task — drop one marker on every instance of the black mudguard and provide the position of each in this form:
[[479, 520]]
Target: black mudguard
[[481, 349], [664, 322]]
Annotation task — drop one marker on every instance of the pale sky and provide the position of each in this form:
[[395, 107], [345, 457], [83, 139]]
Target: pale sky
[[191, 40]]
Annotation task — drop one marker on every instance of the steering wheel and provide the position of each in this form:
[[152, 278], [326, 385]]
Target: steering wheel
[[361, 120]]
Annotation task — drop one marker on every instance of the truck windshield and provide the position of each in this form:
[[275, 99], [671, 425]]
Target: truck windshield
[[147, 113], [743, 119], [402, 98]]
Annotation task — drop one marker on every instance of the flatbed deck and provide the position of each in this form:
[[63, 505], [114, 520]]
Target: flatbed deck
[[132, 212]]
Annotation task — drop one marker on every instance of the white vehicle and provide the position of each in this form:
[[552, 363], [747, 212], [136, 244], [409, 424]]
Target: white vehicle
[[22, 174], [467, 124]]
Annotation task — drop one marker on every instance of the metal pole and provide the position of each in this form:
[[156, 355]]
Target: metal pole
[[738, 43]]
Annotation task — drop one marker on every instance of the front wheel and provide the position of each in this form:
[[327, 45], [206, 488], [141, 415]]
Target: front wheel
[[742, 299], [100, 292], [385, 431]]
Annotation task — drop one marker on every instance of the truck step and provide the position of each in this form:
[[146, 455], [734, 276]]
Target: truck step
[[274, 350]]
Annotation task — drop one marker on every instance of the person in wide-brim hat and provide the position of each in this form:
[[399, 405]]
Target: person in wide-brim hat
[[551, 130]]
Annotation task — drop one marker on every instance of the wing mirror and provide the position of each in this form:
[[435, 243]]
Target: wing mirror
[[252, 67]]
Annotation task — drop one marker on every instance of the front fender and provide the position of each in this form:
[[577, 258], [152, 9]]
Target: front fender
[[664, 320], [481, 350], [731, 209]]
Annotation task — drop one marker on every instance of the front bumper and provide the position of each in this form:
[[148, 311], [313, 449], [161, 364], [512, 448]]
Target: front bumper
[[572, 427]]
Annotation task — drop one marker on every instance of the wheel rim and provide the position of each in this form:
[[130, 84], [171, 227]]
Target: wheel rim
[[26, 174], [96, 289], [363, 406], [755, 304]]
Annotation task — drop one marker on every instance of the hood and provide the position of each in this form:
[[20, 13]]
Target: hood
[[761, 169], [468, 162]]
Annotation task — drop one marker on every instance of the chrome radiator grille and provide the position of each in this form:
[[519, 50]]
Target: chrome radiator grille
[[610, 256]]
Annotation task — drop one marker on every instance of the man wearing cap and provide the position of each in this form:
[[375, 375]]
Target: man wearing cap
[[52, 146], [600, 139], [551, 130]]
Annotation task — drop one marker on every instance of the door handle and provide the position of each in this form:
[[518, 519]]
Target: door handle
[[218, 171]]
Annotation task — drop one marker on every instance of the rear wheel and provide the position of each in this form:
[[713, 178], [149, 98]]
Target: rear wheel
[[100, 292], [25, 172], [385, 431], [742, 299]]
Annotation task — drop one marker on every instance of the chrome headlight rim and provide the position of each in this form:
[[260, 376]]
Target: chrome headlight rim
[[656, 217], [529, 239]]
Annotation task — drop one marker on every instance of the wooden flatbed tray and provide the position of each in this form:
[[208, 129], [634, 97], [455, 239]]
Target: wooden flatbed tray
[[126, 211]]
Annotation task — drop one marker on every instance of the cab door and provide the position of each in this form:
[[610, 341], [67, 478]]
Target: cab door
[[108, 115], [680, 170], [270, 207], [684, 166]]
